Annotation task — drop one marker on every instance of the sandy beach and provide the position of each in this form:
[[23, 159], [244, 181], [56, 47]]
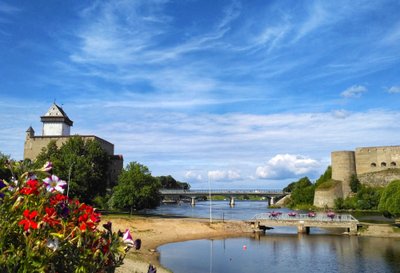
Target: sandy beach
[[155, 231]]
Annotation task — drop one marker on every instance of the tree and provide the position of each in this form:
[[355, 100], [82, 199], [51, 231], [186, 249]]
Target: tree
[[5, 173], [84, 161], [389, 203], [168, 182], [355, 184], [325, 177], [137, 189], [302, 192]]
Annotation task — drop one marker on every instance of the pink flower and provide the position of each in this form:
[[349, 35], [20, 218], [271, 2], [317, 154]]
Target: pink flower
[[127, 238], [47, 166], [53, 183]]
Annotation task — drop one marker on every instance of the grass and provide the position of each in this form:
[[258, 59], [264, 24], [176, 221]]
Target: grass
[[327, 185]]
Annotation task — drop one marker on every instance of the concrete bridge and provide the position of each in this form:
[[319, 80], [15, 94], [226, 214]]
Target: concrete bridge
[[304, 222], [270, 195]]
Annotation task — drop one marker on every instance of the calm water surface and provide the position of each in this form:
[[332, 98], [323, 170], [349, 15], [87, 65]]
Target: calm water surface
[[280, 250], [284, 253]]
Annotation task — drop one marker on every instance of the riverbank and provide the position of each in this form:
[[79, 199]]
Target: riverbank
[[156, 231]]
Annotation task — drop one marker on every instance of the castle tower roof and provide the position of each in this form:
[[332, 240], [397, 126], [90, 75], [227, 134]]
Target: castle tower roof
[[56, 114]]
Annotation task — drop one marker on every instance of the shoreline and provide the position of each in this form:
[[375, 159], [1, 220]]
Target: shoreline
[[155, 231]]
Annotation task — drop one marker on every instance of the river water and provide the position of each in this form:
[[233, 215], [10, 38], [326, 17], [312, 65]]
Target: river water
[[279, 250]]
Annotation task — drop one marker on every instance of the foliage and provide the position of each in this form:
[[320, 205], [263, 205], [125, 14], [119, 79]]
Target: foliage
[[5, 173], [327, 176], [83, 161], [389, 202], [302, 193], [367, 198], [168, 182], [137, 189], [43, 230], [329, 184], [355, 184]]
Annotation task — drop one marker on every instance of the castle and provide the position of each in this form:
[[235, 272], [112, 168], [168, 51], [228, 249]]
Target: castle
[[373, 166], [57, 127]]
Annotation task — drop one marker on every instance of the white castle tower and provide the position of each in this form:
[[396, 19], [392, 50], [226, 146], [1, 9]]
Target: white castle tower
[[56, 122]]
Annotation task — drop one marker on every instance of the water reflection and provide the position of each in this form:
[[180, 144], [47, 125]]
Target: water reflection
[[284, 253]]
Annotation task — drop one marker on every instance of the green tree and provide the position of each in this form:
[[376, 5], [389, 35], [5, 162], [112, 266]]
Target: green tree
[[325, 177], [168, 182], [302, 192], [5, 173], [389, 203], [84, 162], [137, 189], [355, 184]]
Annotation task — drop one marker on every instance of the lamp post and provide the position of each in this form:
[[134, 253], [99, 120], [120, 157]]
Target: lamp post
[[209, 196], [69, 177]]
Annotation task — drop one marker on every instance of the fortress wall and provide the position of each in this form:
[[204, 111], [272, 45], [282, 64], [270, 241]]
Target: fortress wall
[[34, 145], [374, 159], [326, 197], [343, 167]]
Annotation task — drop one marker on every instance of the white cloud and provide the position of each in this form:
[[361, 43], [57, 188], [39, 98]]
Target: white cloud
[[283, 166], [341, 114], [193, 176], [394, 89], [354, 91], [223, 175]]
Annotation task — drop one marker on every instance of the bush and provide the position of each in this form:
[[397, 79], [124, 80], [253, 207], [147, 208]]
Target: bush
[[43, 230]]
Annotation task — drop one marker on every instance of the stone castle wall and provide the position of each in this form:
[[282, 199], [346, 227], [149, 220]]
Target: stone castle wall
[[374, 159], [34, 145], [373, 166], [343, 168]]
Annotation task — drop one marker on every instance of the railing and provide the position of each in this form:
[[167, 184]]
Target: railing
[[320, 217], [223, 191]]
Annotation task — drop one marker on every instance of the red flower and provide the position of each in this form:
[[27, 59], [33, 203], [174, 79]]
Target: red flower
[[28, 221], [51, 216], [32, 187], [58, 198], [89, 218]]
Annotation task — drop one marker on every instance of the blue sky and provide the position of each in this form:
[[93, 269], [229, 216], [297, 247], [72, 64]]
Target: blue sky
[[248, 94]]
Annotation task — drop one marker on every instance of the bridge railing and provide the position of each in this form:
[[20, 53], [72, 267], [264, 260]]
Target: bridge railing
[[223, 191], [320, 217]]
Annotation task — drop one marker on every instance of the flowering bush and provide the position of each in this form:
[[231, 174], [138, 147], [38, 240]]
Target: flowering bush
[[42, 230]]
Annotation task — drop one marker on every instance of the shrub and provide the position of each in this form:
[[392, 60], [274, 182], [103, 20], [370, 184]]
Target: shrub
[[43, 230]]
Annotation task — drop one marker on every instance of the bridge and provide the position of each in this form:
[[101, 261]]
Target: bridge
[[304, 222], [270, 195]]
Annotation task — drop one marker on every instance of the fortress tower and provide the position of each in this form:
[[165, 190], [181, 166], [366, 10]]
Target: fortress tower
[[56, 122], [343, 168]]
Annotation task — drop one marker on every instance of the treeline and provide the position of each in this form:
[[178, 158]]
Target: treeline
[[385, 199], [85, 165]]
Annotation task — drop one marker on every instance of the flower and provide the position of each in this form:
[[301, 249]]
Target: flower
[[2, 185], [51, 217], [52, 244], [127, 238], [32, 187], [53, 183], [47, 167], [28, 221]]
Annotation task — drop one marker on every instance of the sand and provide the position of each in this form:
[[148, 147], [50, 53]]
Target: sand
[[156, 231]]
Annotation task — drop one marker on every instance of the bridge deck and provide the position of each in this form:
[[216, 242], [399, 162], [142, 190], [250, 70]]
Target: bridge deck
[[232, 192], [305, 221]]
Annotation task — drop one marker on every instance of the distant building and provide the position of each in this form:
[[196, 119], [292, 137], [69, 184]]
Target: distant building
[[57, 127], [372, 166]]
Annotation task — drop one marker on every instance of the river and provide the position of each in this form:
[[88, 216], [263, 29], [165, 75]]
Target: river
[[279, 250]]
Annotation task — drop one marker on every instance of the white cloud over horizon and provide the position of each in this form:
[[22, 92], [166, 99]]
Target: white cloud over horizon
[[284, 166]]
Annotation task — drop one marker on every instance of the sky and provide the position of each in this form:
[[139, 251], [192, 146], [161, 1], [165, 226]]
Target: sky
[[232, 94]]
